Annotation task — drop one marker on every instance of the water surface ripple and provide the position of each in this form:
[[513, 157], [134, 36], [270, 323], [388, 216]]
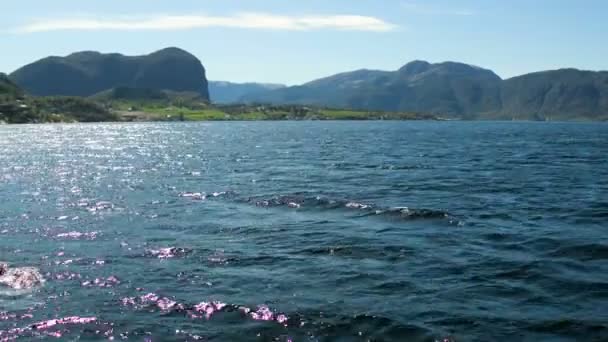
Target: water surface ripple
[[307, 231]]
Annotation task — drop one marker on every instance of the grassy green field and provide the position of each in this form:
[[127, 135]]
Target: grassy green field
[[152, 111]]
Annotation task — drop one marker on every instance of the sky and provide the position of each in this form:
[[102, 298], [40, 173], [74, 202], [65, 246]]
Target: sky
[[295, 41]]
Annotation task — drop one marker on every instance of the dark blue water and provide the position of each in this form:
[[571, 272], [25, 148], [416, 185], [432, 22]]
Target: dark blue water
[[299, 231]]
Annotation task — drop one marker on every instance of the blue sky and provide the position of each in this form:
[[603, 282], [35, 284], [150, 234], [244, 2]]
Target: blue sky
[[290, 41]]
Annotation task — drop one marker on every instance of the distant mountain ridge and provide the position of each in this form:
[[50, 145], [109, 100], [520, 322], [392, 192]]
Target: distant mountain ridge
[[87, 73], [228, 92], [456, 90]]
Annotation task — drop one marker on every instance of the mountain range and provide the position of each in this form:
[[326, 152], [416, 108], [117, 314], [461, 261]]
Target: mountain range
[[449, 89], [458, 91]]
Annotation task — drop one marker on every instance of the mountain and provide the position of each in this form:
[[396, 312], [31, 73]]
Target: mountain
[[452, 89], [565, 94], [87, 73], [228, 92], [456, 90]]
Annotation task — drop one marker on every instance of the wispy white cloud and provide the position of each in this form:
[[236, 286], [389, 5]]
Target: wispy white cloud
[[187, 22], [429, 9]]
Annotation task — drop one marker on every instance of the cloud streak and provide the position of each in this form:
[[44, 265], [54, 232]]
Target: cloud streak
[[252, 21]]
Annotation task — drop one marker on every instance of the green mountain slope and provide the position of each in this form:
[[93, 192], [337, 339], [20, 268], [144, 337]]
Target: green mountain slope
[[8, 89], [18, 107]]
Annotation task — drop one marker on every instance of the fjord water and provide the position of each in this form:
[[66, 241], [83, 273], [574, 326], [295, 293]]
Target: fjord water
[[504, 237]]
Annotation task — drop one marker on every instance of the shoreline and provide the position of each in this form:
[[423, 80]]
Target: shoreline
[[4, 124]]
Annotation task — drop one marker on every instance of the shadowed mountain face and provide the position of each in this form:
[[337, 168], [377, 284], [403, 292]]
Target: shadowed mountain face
[[228, 92], [453, 89], [87, 73], [8, 88], [456, 90], [565, 94]]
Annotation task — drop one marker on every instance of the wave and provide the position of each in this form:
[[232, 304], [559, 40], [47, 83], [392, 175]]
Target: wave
[[169, 252], [391, 253], [305, 201], [384, 166]]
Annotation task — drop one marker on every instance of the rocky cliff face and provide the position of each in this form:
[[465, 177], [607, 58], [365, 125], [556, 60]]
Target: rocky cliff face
[[87, 73]]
